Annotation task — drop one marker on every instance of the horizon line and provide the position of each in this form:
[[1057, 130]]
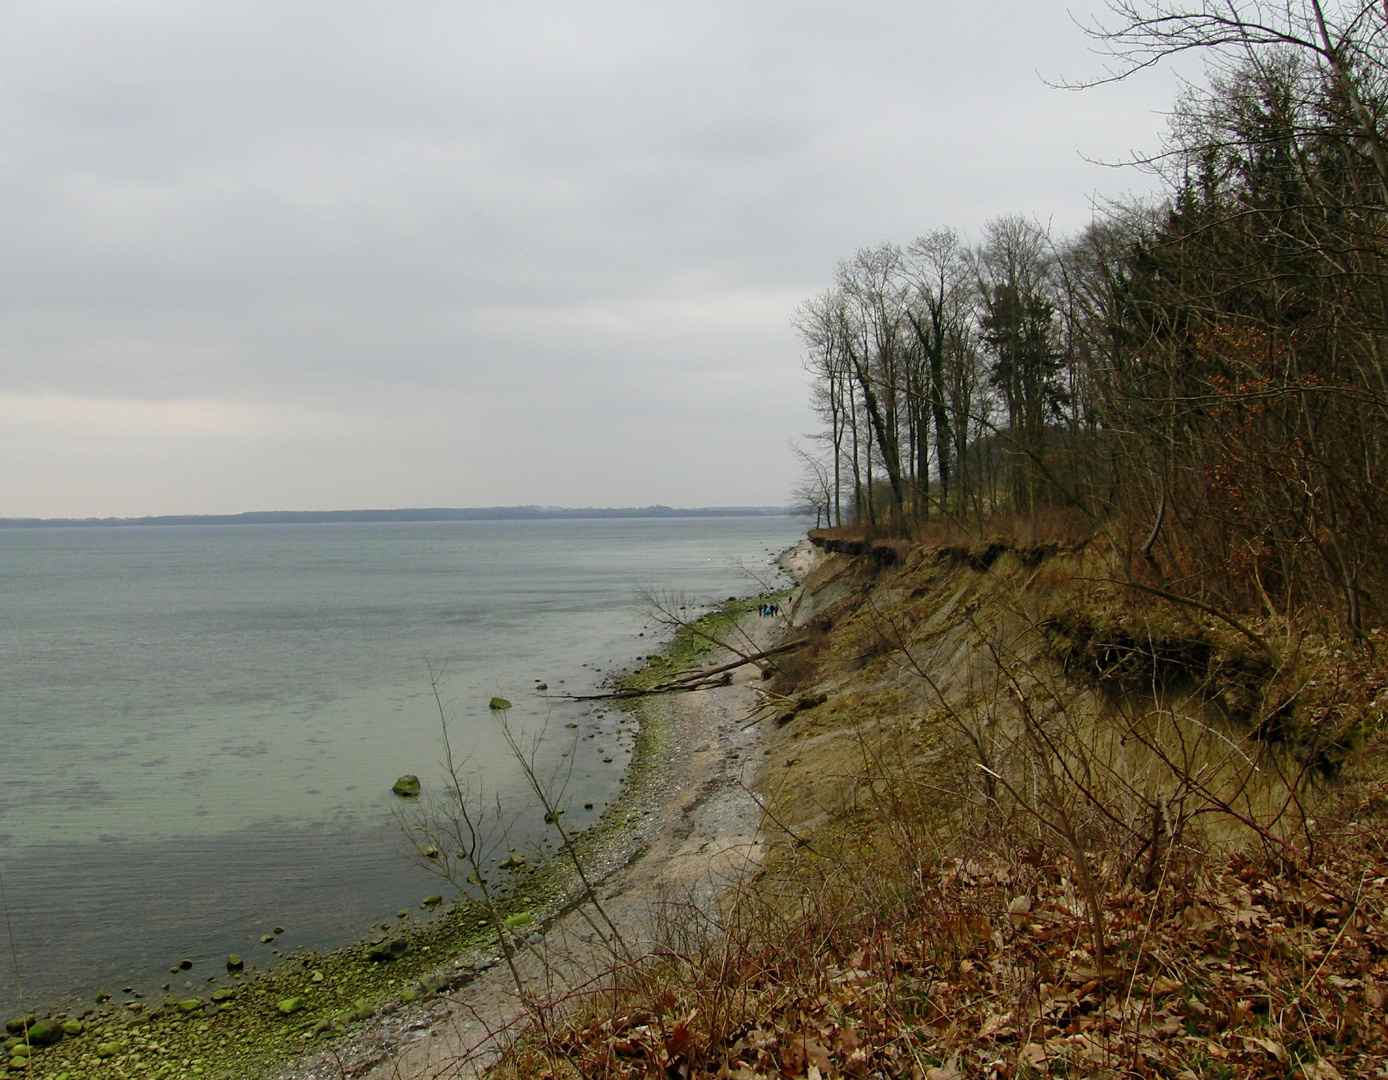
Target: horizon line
[[531, 512]]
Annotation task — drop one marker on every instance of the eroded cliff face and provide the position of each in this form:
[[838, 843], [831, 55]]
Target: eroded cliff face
[[1026, 818], [963, 668]]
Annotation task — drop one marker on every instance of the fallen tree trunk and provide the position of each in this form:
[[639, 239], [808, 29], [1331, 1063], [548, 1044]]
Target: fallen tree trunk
[[690, 680]]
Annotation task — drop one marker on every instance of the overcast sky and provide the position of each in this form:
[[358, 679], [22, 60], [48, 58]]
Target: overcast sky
[[343, 254]]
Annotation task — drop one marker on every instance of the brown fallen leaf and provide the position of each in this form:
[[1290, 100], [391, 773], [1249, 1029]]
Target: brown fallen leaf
[[1033, 1054], [948, 1071], [1272, 1046]]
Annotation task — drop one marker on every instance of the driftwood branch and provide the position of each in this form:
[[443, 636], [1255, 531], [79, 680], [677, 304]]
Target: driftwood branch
[[689, 680]]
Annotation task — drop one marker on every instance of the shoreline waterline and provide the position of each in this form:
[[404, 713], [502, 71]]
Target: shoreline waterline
[[250, 1031]]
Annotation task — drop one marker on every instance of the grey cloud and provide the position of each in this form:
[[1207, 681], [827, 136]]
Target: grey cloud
[[569, 223]]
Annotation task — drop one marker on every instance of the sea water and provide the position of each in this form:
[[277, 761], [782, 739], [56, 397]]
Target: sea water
[[200, 725]]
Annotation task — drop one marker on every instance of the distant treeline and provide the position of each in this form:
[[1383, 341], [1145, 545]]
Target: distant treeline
[[1203, 377], [479, 513]]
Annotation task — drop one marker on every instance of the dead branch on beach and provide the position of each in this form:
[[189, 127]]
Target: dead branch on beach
[[700, 679], [667, 608]]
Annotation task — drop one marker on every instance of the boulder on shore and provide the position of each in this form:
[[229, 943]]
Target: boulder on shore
[[388, 950], [45, 1032]]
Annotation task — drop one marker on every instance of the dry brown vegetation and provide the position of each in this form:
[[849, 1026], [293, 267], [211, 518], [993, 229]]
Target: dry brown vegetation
[[1029, 821]]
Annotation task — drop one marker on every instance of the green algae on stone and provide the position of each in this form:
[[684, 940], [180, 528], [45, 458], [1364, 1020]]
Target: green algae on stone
[[45, 1032]]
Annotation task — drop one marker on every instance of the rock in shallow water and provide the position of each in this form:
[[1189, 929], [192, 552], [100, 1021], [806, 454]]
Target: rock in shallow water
[[235, 963], [499, 703], [407, 787]]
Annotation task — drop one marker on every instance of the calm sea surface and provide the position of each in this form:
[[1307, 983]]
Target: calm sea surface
[[200, 726]]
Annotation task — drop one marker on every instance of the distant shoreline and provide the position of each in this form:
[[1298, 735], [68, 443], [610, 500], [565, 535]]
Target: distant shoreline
[[477, 513]]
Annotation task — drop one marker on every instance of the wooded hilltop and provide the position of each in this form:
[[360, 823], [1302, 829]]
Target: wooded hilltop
[[1201, 377]]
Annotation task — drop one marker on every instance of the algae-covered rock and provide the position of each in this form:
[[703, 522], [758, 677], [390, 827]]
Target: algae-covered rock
[[429, 851], [408, 995], [107, 1049], [72, 1027], [407, 787], [19, 1023], [224, 993], [188, 1005], [519, 919], [19, 1063], [388, 950], [363, 1009], [289, 1006], [499, 703], [235, 963], [45, 1032], [431, 901]]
